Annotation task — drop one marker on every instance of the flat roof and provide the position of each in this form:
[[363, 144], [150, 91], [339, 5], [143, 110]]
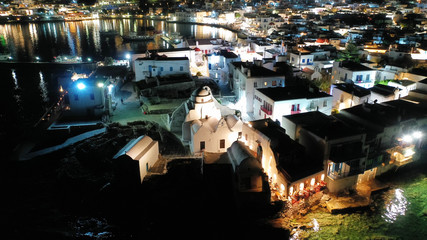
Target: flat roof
[[291, 92], [257, 71], [352, 89], [323, 125], [160, 58], [354, 66]]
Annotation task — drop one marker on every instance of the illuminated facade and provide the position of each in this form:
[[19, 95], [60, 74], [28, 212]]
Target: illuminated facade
[[360, 142], [208, 126], [89, 97], [275, 102], [361, 75], [249, 76], [290, 173]]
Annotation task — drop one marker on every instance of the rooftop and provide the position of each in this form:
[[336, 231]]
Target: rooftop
[[257, 71], [292, 92], [354, 66], [383, 89], [292, 159], [353, 89], [322, 125]]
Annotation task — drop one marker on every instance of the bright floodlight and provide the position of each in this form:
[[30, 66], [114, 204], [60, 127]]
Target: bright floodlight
[[110, 88], [417, 134], [127, 56], [100, 84], [407, 138], [81, 86]]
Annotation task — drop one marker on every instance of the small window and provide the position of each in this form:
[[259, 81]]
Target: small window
[[161, 69], [222, 143], [325, 103], [255, 84], [303, 60], [181, 68], [76, 97], [273, 83], [202, 145], [92, 96], [171, 69]]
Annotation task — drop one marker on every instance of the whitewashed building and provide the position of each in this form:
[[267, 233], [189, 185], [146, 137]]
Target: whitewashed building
[[143, 151], [346, 70], [160, 66], [249, 76], [275, 102], [208, 126], [347, 95]]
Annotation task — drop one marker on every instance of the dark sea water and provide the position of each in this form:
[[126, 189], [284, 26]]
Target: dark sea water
[[82, 38]]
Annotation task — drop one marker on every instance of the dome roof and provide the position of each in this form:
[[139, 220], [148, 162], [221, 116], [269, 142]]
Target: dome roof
[[201, 95]]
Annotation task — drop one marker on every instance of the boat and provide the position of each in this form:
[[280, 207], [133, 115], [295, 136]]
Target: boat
[[134, 37]]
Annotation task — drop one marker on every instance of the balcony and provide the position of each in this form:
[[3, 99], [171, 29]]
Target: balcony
[[268, 112]]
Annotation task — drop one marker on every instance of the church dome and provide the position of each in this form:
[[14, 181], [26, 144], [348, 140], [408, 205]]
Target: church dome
[[201, 95]]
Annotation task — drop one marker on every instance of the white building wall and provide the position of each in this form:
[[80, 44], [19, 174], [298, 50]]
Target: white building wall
[[281, 108], [148, 160], [147, 67], [84, 101], [342, 100], [301, 60]]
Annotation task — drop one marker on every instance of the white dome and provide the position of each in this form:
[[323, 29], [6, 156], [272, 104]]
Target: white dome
[[204, 95]]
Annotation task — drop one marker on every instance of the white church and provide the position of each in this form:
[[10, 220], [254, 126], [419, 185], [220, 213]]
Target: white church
[[208, 125]]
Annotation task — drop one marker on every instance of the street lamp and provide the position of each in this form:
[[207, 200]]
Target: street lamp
[[81, 86]]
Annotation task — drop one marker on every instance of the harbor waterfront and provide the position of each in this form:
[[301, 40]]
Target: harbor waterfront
[[75, 191], [45, 41]]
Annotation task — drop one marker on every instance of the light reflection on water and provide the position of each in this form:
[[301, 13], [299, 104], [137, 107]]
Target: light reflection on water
[[397, 206], [47, 40], [316, 226], [43, 88]]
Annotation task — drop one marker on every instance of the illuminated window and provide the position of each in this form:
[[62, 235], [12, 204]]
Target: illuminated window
[[273, 83], [265, 83]]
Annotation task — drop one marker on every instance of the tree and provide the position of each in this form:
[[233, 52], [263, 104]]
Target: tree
[[351, 53]]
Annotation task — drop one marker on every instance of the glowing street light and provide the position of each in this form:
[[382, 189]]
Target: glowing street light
[[407, 138], [127, 56], [81, 86], [417, 134], [100, 85]]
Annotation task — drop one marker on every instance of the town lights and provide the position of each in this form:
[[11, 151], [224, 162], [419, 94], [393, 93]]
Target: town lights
[[417, 134], [81, 86], [407, 138], [110, 88]]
